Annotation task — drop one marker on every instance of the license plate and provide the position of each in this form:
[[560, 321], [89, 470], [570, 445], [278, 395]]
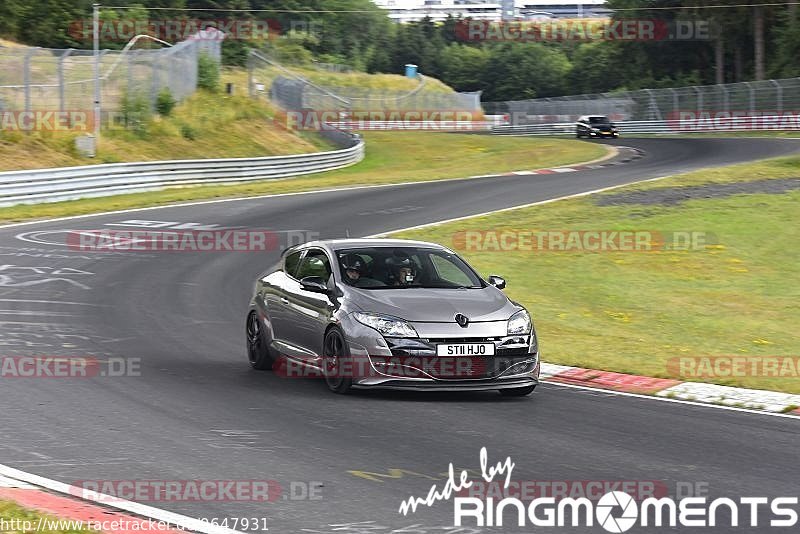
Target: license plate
[[465, 349], [606, 133]]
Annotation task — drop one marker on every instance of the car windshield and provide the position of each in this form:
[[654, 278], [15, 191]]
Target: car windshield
[[405, 268], [599, 120]]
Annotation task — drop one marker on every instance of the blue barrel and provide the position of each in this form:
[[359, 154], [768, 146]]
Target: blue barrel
[[411, 70]]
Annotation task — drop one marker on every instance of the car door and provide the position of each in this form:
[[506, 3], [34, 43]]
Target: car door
[[273, 291], [308, 312]]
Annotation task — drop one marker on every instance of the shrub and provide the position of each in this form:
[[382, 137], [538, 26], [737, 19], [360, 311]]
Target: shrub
[[188, 132], [207, 73], [135, 112], [165, 102]]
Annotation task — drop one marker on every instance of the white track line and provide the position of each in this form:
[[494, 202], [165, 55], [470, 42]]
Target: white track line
[[612, 153], [181, 521], [521, 206]]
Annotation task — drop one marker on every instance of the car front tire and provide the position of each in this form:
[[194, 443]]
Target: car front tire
[[517, 392], [334, 355], [257, 347]]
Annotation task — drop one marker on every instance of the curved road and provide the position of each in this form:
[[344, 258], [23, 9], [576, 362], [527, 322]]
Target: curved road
[[197, 412]]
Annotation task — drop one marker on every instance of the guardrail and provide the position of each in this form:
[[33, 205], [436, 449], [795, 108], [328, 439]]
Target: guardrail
[[433, 125], [676, 126], [68, 183]]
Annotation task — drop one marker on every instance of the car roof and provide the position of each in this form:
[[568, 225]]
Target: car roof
[[342, 244]]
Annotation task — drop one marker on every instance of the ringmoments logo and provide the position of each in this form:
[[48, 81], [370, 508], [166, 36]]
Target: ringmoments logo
[[615, 511]]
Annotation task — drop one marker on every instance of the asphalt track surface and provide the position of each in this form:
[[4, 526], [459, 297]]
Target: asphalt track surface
[[197, 411]]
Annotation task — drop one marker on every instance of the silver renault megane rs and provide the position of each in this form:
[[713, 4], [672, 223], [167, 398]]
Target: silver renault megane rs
[[389, 313]]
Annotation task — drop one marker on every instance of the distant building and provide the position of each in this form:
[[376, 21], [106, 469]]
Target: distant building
[[438, 10]]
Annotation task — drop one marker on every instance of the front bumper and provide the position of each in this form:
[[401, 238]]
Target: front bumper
[[450, 385], [413, 364], [401, 363]]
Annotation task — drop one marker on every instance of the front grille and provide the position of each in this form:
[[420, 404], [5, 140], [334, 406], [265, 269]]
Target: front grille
[[420, 354]]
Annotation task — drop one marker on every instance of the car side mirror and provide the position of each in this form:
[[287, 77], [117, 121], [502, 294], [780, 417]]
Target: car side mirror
[[497, 281], [315, 284]]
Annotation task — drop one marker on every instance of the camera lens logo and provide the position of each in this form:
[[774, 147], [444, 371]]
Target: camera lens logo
[[608, 503]]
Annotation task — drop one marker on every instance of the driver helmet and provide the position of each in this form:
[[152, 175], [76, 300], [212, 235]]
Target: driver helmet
[[353, 262], [403, 269]]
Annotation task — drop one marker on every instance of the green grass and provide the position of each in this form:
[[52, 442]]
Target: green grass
[[391, 157], [633, 311], [19, 518], [206, 125]]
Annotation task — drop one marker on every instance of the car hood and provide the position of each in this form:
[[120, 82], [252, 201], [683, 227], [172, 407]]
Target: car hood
[[436, 305]]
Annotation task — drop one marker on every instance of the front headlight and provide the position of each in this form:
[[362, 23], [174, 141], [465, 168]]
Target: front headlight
[[386, 325], [519, 323]]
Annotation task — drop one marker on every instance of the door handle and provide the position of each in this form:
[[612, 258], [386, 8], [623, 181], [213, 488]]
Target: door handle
[[284, 300]]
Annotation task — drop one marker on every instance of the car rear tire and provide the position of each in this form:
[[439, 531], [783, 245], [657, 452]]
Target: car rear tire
[[257, 347], [517, 392], [334, 353]]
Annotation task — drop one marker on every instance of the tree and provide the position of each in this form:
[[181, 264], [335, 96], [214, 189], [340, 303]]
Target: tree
[[525, 70], [463, 67]]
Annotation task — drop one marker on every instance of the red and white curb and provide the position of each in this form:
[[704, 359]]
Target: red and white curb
[[70, 503], [712, 394], [620, 155], [625, 154]]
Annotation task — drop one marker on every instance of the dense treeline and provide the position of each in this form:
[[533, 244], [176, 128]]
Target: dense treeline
[[744, 43]]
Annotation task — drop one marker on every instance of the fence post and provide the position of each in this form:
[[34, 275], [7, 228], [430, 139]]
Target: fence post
[[725, 99], [62, 99], [779, 95], [154, 82], [26, 73], [699, 98], [675, 102], [250, 67], [752, 96], [129, 61]]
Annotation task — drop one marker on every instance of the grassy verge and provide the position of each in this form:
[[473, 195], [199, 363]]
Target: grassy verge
[[205, 125], [21, 519], [634, 312], [361, 80], [392, 157]]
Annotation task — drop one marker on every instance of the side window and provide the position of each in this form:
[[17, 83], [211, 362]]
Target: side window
[[449, 272], [314, 264], [290, 264]]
